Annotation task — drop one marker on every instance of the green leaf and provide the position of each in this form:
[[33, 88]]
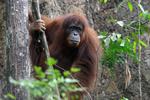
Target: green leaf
[[122, 43], [141, 7], [37, 69], [51, 62], [39, 72], [118, 36], [104, 33], [103, 1], [128, 40], [57, 73], [75, 69], [130, 6], [134, 46], [10, 96], [123, 98], [145, 15], [66, 73], [143, 43]]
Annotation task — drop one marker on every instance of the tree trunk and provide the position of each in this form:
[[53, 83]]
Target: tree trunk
[[17, 46], [2, 44]]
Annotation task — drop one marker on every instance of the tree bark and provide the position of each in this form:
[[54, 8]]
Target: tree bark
[[17, 46], [2, 44]]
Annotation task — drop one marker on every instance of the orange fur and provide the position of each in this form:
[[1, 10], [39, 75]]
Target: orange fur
[[85, 56]]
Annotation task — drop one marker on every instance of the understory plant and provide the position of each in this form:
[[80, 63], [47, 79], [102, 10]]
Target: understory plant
[[49, 85], [119, 46]]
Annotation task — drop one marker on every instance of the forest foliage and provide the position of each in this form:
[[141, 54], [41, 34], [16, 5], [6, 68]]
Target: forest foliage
[[121, 46], [117, 48]]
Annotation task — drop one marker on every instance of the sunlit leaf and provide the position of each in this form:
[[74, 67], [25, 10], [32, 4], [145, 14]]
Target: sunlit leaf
[[122, 43], [128, 40], [145, 15], [101, 36], [120, 23], [123, 98], [143, 43], [51, 61], [66, 73], [37, 69], [9, 96], [118, 36], [68, 80], [39, 72], [141, 7], [57, 73], [74, 69], [103, 1], [130, 6], [113, 37], [134, 47]]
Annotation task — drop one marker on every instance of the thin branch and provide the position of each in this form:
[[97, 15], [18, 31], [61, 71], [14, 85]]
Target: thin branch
[[36, 13], [139, 51]]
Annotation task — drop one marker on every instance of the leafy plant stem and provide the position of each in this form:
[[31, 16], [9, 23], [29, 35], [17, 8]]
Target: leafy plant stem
[[139, 53]]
